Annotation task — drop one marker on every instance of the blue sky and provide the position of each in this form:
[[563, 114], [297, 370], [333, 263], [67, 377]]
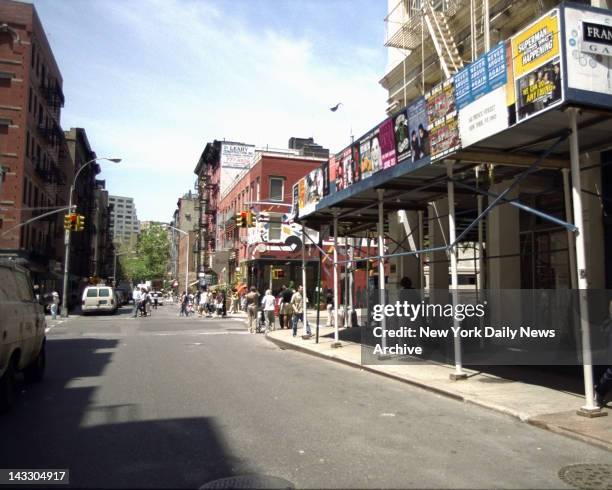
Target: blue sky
[[152, 81]]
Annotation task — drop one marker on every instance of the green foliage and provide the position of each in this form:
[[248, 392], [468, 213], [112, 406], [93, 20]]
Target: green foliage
[[151, 257]]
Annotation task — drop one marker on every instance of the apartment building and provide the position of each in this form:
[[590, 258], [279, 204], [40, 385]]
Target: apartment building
[[124, 221], [33, 151]]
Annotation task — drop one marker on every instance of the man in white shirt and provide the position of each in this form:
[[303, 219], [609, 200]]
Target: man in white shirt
[[267, 303], [137, 297]]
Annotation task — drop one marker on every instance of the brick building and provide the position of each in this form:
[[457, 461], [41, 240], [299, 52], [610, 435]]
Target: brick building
[[251, 254], [33, 151]]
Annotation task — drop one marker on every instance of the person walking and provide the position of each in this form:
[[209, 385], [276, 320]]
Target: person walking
[[184, 300], [136, 297], [286, 309], [252, 300], [55, 301], [267, 303], [329, 305], [297, 304]]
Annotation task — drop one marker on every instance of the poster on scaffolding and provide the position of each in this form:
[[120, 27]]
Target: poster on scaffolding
[[418, 129], [484, 117], [370, 156], [402, 137], [313, 190], [536, 55], [588, 44], [348, 170], [386, 137], [443, 137]]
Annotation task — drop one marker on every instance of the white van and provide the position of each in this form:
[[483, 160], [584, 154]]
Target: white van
[[99, 298], [22, 331]]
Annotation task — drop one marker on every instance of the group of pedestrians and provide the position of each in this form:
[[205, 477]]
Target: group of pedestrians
[[144, 301], [290, 305], [206, 303]]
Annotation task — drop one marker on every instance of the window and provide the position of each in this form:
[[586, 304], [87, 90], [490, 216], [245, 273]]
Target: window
[[27, 143], [257, 190], [25, 190], [92, 293], [275, 229], [277, 185], [30, 101], [104, 293]]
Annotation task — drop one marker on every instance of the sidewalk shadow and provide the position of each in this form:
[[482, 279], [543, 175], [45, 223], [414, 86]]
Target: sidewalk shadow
[[54, 425]]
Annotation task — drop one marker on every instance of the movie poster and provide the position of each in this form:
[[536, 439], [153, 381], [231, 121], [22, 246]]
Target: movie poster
[[325, 173], [386, 136], [539, 90], [443, 121], [440, 103], [402, 137], [295, 210], [365, 158], [418, 128]]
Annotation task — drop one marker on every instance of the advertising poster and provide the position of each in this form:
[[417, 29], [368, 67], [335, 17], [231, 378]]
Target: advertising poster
[[538, 90], [370, 155], [479, 80], [484, 117], [295, 210], [348, 172], [386, 136], [443, 135], [301, 194], [463, 91], [313, 190], [537, 44], [496, 67], [356, 162], [325, 172], [589, 50], [510, 90], [418, 128], [537, 66], [339, 173], [331, 164], [440, 103], [402, 138], [234, 158]]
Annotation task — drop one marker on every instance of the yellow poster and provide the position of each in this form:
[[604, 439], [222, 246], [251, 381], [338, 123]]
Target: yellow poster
[[537, 44]]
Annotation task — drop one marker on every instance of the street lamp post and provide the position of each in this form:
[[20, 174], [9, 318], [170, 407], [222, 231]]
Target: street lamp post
[[67, 233], [186, 255]]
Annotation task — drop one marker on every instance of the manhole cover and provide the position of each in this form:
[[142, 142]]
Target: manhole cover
[[249, 481], [587, 476]]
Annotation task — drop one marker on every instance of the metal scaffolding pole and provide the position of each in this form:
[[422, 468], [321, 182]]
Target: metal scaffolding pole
[[336, 342], [381, 265], [458, 374], [421, 256], [571, 246], [306, 327], [590, 409]]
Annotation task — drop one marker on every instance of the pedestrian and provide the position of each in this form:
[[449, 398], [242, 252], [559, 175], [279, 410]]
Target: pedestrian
[[55, 301], [279, 302], [286, 309], [183, 300], [136, 297], [329, 304], [252, 300], [234, 302], [243, 302], [297, 304], [267, 303], [219, 304], [144, 300], [155, 300]]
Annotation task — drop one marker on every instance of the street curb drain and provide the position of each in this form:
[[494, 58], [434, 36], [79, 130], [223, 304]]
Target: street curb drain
[[249, 481], [587, 476]]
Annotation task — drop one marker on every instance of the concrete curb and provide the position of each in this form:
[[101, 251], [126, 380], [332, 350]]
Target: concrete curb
[[523, 417]]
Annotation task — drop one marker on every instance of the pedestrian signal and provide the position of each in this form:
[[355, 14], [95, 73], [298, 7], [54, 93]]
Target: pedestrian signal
[[239, 220]]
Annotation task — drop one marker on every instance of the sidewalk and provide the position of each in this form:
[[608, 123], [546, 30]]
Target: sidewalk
[[541, 406]]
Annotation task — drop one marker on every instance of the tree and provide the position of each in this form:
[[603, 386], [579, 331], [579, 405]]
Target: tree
[[151, 258]]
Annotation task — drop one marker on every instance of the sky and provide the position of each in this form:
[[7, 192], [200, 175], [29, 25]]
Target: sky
[[152, 81]]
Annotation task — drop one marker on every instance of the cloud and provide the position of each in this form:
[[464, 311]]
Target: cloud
[[166, 76]]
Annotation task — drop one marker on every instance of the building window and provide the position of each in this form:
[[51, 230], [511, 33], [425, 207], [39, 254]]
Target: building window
[[257, 195], [277, 188], [275, 229]]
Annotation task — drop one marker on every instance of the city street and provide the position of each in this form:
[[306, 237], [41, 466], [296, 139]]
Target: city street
[[174, 402]]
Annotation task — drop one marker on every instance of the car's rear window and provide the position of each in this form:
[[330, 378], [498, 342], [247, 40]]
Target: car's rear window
[[104, 293], [92, 293]]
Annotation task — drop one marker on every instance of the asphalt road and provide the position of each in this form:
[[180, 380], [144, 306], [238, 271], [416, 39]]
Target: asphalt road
[[174, 402]]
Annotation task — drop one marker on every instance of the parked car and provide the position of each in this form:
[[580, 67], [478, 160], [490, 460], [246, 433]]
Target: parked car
[[99, 298], [22, 332]]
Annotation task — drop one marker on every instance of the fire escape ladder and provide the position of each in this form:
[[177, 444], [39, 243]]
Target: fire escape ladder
[[443, 40]]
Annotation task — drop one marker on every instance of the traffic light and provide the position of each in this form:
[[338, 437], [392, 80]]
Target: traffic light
[[70, 222], [239, 220], [80, 222], [244, 219], [250, 219]]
